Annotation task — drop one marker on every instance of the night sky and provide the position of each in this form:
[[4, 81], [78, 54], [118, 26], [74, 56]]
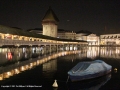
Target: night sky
[[74, 15]]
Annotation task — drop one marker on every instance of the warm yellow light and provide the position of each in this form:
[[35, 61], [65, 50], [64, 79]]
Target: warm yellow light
[[115, 69], [34, 63], [38, 62], [31, 65], [1, 76], [7, 34], [26, 67], [16, 71], [9, 73], [22, 68]]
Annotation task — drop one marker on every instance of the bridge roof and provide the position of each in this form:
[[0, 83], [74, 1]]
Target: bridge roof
[[20, 32]]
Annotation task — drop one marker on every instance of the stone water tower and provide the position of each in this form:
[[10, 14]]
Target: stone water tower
[[50, 23]]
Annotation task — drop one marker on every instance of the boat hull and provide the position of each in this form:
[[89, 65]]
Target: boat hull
[[91, 84], [89, 76]]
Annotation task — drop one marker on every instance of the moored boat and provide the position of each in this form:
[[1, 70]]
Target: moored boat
[[88, 70]]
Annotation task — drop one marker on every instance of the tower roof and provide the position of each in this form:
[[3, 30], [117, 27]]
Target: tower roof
[[50, 16]]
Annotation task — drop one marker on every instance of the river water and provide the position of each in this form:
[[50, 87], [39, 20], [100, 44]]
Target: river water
[[48, 68]]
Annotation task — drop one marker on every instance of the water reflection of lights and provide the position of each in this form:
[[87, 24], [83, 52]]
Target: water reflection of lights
[[9, 55], [34, 63], [16, 71], [16, 68], [7, 74], [22, 68], [111, 52], [72, 60], [31, 65], [1, 76], [38, 62], [115, 70], [92, 52]]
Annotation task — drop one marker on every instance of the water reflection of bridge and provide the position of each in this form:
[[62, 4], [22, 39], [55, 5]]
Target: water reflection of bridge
[[19, 66], [13, 54]]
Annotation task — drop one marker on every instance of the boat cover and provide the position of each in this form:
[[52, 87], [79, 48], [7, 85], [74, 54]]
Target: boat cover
[[85, 68]]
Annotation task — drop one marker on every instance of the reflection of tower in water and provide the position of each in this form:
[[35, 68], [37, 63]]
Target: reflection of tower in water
[[49, 68]]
